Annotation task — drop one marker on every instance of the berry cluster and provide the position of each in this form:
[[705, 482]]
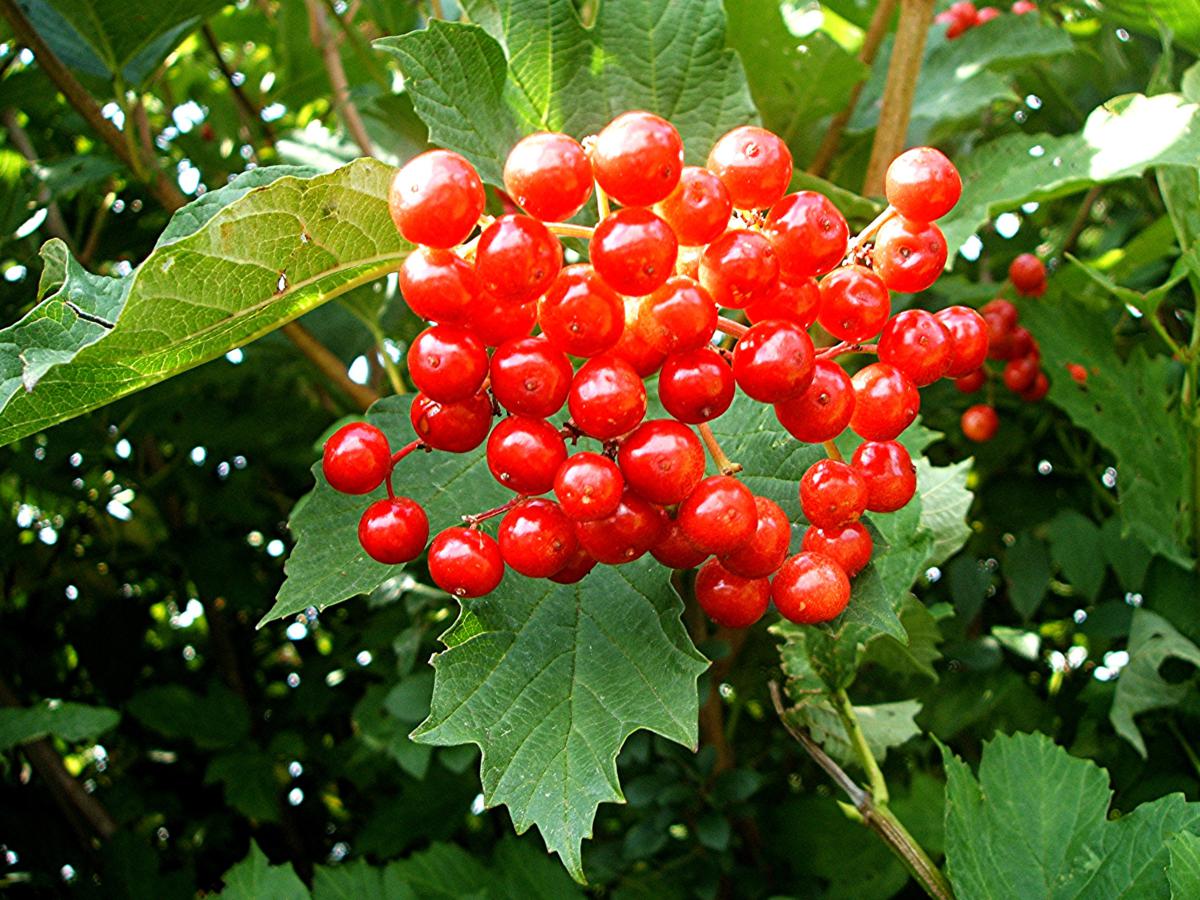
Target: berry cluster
[[1012, 344], [685, 243], [962, 16]]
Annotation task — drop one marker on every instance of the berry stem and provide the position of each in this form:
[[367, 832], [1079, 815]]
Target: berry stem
[[845, 711], [730, 327], [566, 229], [832, 451], [838, 349], [724, 463], [396, 457], [474, 520], [868, 233]]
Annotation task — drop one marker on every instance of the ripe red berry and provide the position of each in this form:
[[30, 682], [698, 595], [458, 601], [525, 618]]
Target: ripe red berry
[[580, 563], [438, 285], [918, 344], [625, 535], [832, 493], [674, 550], [719, 515], [680, 315], [959, 17], [1078, 373], [1028, 275], [607, 398], [662, 460], [1019, 374], [447, 363], [530, 377], [588, 486], [808, 234], [637, 158], [854, 303], [793, 300], [729, 599], [548, 175], [696, 386], [754, 165], [357, 458], [465, 562], [633, 346], [494, 322], [393, 530], [524, 454], [634, 251], [580, 314], [971, 382], [436, 199], [1021, 7], [922, 184], [810, 588], [773, 361], [1004, 311], [979, 423], [908, 255], [698, 209], [536, 539], [823, 411], [1022, 343], [986, 14], [885, 402], [1037, 390], [454, 427], [738, 268], [888, 472], [847, 545], [517, 259], [969, 339], [768, 546]]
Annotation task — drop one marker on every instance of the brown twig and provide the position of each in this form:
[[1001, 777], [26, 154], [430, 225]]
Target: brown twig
[[250, 110], [1081, 218], [55, 224], [92, 242], [329, 364], [332, 58]]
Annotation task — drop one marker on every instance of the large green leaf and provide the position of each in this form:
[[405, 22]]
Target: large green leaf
[[1181, 18], [1183, 873], [884, 725], [1034, 824], [254, 878], [216, 719], [69, 721], [274, 253]]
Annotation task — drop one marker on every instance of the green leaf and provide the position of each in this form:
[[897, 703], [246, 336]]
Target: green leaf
[[214, 720], [356, 880], [1027, 571], [1180, 17], [517, 871], [1128, 556], [1034, 825], [1140, 687], [918, 651], [884, 725], [67, 721], [545, 680], [262, 260], [248, 778], [1183, 872], [254, 878], [1076, 549], [1147, 303]]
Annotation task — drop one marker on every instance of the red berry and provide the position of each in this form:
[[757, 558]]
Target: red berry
[[436, 199], [549, 176], [634, 251], [832, 493], [909, 256], [773, 361], [918, 344], [969, 339], [680, 315], [1028, 275], [696, 386], [517, 259], [674, 550], [465, 562], [438, 285], [524, 454], [719, 515], [698, 209], [1037, 390], [767, 548], [810, 588], [662, 460], [885, 402], [1078, 373], [889, 473], [854, 303], [979, 423], [986, 14], [1004, 311], [1019, 374], [627, 534], [447, 363], [633, 346], [847, 545], [580, 563], [607, 398], [588, 486], [536, 539], [530, 377], [795, 301], [1022, 343], [922, 184], [494, 322], [971, 382], [637, 158], [356, 459], [731, 600], [960, 17], [808, 234], [393, 530], [1021, 7], [580, 314], [738, 268], [823, 411], [454, 427], [754, 165]]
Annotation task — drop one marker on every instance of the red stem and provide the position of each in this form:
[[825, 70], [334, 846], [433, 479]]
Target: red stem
[[728, 326], [489, 513], [396, 457], [843, 347]]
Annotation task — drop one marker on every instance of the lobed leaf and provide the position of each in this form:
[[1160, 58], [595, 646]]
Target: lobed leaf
[[68, 721]]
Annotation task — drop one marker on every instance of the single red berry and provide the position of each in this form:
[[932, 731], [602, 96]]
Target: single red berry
[[1022, 343], [810, 588], [680, 315], [719, 515], [922, 184], [1078, 373], [696, 386], [465, 562], [854, 303], [767, 548], [517, 259], [918, 344], [454, 427], [1004, 311], [889, 473], [823, 411], [549, 176], [979, 423], [536, 539], [986, 14], [971, 382], [436, 199], [494, 322], [1028, 275], [909, 256], [1037, 390], [627, 534], [1019, 374], [773, 361], [356, 459], [959, 19], [738, 268], [808, 234], [699, 208], [524, 454], [729, 599], [638, 158], [576, 568], [634, 251], [754, 165], [438, 285], [793, 300], [674, 550], [633, 347], [1022, 7], [832, 493], [393, 530], [885, 402], [447, 363], [662, 460], [580, 314], [969, 339], [847, 545], [607, 398], [588, 486], [530, 377]]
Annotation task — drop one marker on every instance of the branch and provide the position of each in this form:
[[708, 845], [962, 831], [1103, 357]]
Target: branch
[[332, 367], [55, 224], [248, 107], [337, 77], [723, 462], [858, 740]]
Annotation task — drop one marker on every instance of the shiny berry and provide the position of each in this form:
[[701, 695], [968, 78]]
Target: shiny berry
[[524, 454], [634, 251], [696, 386], [731, 600], [633, 347], [607, 398], [1037, 390], [1022, 7], [738, 268], [854, 304], [969, 339], [698, 209], [454, 427], [753, 164], [885, 402], [847, 545], [808, 234], [580, 314], [832, 493], [918, 344], [986, 14], [909, 256], [465, 562], [773, 361], [1004, 311], [530, 377], [627, 534], [768, 546], [1019, 374], [810, 588], [662, 460], [548, 175], [979, 423], [823, 411], [1028, 275], [494, 322], [680, 315], [793, 300], [889, 473], [637, 158], [588, 486], [674, 550], [447, 363], [436, 199], [393, 530], [438, 285], [536, 539], [971, 382], [517, 259], [922, 184], [576, 568], [356, 459], [719, 515]]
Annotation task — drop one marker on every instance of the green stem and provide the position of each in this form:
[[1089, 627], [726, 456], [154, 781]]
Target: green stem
[[858, 740]]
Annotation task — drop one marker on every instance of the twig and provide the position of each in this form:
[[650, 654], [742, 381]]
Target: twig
[[337, 77], [832, 451], [730, 327], [858, 740], [724, 463], [362, 49], [1081, 218], [55, 224], [249, 108], [332, 367], [92, 242]]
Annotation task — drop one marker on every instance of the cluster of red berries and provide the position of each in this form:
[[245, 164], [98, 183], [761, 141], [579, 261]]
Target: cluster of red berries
[[963, 15], [685, 243], [1012, 344]]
